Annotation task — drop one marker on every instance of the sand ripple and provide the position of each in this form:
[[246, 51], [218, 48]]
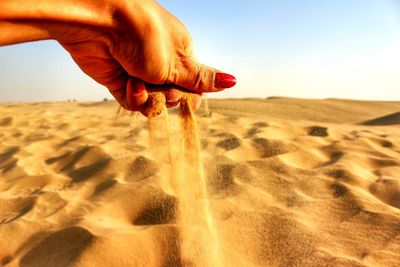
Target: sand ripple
[[291, 183]]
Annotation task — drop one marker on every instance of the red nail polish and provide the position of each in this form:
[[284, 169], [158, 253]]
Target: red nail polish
[[224, 80], [140, 88]]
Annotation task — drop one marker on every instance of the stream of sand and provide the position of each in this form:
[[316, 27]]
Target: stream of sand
[[199, 244]]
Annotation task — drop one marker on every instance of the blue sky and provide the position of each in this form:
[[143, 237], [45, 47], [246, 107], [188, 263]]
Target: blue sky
[[297, 48]]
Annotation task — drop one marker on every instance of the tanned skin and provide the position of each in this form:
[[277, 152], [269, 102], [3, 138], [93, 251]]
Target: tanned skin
[[130, 46]]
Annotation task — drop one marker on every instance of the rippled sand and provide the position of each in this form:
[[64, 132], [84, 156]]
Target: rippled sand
[[291, 182]]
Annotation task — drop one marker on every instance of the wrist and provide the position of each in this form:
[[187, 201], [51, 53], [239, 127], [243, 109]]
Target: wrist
[[84, 11], [46, 19]]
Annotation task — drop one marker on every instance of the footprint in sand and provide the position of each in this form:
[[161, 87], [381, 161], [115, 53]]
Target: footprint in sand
[[82, 164], [68, 141], [230, 142], [104, 186], [61, 248], [334, 157], [88, 171], [7, 162], [7, 121], [225, 179], [387, 144], [13, 209], [221, 179], [269, 148], [341, 175], [140, 169], [9, 166], [347, 203], [388, 191], [7, 154], [379, 163], [158, 211], [318, 131], [256, 129], [338, 190]]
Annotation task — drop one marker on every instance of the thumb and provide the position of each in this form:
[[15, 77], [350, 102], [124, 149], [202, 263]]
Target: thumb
[[199, 78]]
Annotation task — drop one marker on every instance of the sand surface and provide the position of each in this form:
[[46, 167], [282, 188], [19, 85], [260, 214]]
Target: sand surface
[[290, 182]]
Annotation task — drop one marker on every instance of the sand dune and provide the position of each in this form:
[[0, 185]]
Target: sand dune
[[385, 120], [290, 182]]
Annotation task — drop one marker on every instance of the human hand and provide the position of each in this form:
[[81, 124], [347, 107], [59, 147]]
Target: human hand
[[130, 46], [147, 49]]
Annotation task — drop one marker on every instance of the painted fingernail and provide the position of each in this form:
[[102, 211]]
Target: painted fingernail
[[141, 88], [224, 80]]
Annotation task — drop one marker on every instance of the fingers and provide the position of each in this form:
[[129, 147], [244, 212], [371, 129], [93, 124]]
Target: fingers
[[200, 78], [136, 96], [133, 96], [136, 93], [173, 97]]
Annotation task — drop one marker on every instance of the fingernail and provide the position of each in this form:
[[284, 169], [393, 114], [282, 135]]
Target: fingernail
[[140, 89], [224, 80]]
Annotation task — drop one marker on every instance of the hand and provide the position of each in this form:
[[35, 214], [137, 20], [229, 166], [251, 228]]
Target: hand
[[140, 48]]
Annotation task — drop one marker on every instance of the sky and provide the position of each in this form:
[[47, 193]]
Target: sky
[[294, 48]]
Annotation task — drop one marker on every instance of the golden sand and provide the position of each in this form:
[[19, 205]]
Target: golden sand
[[198, 238], [285, 182]]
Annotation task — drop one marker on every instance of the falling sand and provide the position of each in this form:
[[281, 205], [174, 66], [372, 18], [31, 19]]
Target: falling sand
[[198, 236], [290, 182]]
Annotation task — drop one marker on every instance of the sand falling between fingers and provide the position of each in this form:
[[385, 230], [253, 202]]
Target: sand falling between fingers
[[199, 244]]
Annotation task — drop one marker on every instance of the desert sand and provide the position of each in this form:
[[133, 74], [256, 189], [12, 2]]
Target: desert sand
[[289, 182]]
